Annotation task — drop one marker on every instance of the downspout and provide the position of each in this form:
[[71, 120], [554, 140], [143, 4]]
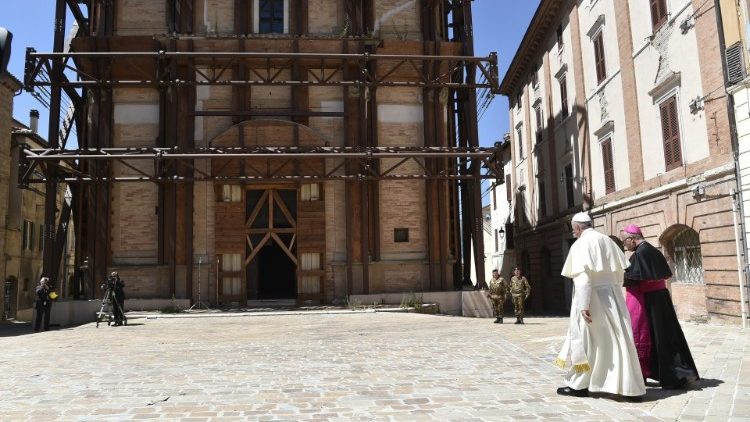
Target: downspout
[[736, 193], [736, 209]]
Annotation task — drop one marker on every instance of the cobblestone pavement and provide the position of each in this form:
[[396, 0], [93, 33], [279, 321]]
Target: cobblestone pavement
[[339, 367]]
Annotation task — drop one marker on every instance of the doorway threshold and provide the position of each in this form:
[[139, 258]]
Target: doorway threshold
[[272, 303]]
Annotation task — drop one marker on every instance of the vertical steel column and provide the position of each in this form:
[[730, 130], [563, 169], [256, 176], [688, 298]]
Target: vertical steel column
[[50, 268], [473, 132]]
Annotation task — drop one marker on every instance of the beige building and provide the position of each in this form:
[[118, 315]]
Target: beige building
[[618, 107], [23, 211], [354, 85], [9, 85]]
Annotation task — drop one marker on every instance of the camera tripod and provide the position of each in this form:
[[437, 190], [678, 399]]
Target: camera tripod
[[108, 306]]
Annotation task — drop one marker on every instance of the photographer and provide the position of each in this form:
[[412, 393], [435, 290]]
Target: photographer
[[118, 299], [43, 304]]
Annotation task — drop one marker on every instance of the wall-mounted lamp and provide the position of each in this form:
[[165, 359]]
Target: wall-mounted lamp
[[686, 24], [501, 232], [699, 191], [696, 104]]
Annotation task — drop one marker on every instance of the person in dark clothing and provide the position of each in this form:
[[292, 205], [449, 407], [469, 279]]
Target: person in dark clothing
[[43, 304], [662, 349], [118, 301]]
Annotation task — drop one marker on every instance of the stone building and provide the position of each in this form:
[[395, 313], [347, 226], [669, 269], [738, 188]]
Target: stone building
[[619, 108], [318, 101], [22, 237], [9, 85]]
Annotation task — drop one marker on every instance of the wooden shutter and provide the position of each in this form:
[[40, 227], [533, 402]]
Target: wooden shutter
[[508, 188], [601, 68], [538, 115], [609, 170], [563, 97], [542, 200], [658, 13], [670, 129]]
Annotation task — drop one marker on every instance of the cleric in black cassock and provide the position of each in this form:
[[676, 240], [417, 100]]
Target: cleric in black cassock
[[662, 349]]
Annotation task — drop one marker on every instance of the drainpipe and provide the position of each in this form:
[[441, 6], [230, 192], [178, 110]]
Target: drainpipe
[[740, 274], [736, 193]]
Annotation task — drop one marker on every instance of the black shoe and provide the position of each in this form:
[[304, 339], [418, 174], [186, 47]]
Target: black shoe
[[518, 321], [498, 320], [633, 399], [567, 391]]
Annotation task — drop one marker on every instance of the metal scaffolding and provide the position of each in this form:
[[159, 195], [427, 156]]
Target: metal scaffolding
[[451, 162]]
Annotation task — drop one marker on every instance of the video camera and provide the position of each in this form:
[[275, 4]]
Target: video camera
[[109, 283]]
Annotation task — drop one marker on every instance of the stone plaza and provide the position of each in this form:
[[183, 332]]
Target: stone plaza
[[337, 365]]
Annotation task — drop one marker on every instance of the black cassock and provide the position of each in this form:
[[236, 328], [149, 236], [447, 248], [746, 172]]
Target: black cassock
[[671, 362]]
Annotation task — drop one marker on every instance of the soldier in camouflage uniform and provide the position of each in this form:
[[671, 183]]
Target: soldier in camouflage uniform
[[498, 293], [519, 290]]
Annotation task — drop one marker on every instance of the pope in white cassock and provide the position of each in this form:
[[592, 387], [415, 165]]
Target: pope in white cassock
[[599, 346]]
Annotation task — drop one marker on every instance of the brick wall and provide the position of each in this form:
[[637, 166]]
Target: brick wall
[[141, 17]]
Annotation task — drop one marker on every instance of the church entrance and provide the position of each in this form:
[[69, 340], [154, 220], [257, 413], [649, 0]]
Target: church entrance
[[271, 251]]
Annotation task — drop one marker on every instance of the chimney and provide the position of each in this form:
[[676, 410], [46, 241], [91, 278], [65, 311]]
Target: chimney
[[34, 120]]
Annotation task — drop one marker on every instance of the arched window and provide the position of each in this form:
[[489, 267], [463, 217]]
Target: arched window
[[688, 263]]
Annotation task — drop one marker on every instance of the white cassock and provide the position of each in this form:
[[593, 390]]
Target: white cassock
[[601, 354]]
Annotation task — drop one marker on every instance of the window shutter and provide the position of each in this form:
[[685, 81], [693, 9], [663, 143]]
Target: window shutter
[[654, 12], [609, 171], [538, 113], [658, 13], [670, 129], [563, 97], [601, 70], [735, 63], [508, 189]]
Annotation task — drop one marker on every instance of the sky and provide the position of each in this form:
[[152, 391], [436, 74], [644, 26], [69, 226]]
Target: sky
[[499, 26]]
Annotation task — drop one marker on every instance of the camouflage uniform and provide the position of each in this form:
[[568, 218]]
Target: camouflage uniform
[[498, 293], [519, 290]]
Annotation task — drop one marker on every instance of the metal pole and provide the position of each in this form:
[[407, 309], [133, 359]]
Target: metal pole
[[50, 267], [740, 267]]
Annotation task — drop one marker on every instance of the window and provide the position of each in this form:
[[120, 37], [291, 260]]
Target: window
[[271, 18], [518, 100], [688, 263], [231, 193], [509, 240], [560, 37], [400, 235], [25, 235], [508, 189], [519, 139], [309, 263], [231, 268], [563, 97], [670, 130], [601, 67], [538, 116], [310, 192], [542, 200], [658, 13], [494, 197], [497, 240], [569, 188], [609, 171], [535, 77], [28, 236]]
